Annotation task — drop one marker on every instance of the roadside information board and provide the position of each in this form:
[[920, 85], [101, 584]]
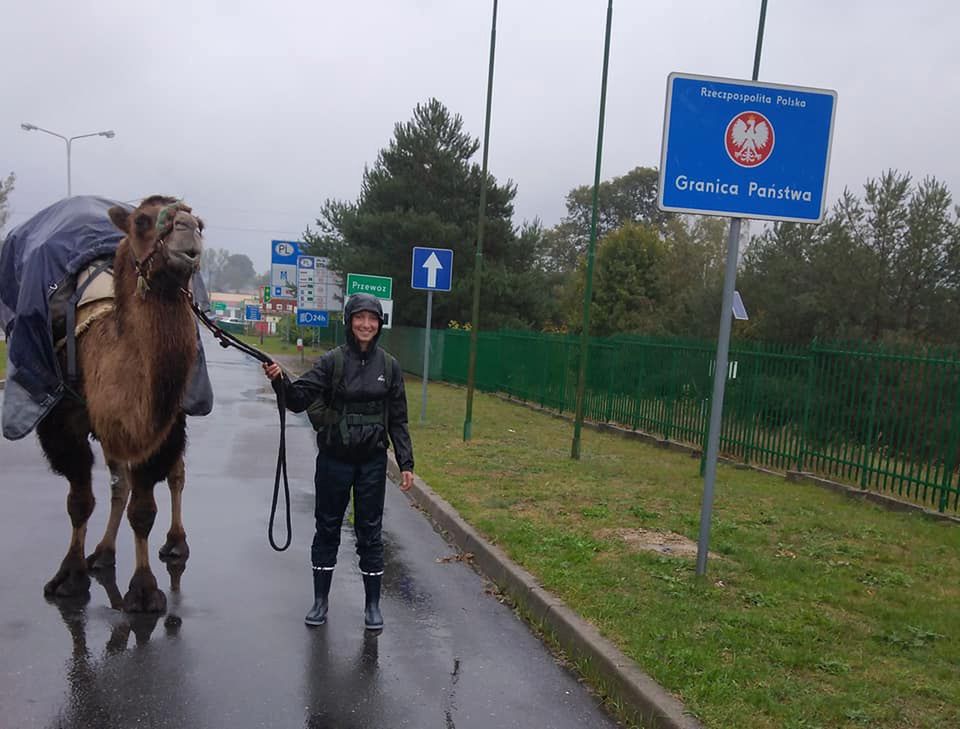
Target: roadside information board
[[312, 318], [283, 267]]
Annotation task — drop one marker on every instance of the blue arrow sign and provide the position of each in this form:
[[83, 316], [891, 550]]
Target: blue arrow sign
[[745, 149], [432, 269], [312, 318]]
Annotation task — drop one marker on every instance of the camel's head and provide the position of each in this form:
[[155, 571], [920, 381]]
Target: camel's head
[[165, 238]]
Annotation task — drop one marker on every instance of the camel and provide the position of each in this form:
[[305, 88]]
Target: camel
[[133, 365]]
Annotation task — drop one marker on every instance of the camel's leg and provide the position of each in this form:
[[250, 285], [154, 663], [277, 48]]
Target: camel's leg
[[175, 548], [105, 554], [144, 595], [63, 437]]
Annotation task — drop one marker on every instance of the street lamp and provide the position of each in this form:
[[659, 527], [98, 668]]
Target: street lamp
[[109, 134]]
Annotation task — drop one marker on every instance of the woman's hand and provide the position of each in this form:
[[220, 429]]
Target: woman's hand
[[272, 371], [406, 480]]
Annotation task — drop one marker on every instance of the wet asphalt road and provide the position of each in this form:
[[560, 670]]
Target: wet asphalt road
[[232, 650]]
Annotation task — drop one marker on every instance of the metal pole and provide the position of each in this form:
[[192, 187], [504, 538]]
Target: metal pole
[[478, 264], [109, 134], [426, 357], [588, 293], [756, 52], [716, 404], [723, 349], [69, 186]]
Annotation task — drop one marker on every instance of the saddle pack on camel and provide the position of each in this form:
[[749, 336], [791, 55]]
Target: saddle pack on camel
[[52, 286], [336, 413]]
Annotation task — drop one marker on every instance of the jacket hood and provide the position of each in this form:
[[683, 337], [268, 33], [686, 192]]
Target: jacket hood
[[356, 303]]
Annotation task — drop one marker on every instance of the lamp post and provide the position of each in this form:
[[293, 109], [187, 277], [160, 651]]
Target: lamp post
[[109, 134]]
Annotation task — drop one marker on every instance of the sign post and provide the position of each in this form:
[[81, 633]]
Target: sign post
[[741, 148], [432, 270]]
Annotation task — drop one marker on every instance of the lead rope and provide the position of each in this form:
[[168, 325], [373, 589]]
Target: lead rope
[[225, 340]]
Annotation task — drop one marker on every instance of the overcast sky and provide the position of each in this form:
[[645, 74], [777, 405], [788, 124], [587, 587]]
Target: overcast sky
[[255, 112]]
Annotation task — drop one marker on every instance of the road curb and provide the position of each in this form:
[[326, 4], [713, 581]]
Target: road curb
[[643, 698]]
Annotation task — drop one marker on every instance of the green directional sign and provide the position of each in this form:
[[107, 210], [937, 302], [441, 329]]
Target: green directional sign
[[362, 283], [219, 306]]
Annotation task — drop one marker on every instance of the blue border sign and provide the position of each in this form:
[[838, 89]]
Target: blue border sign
[[432, 269], [745, 149]]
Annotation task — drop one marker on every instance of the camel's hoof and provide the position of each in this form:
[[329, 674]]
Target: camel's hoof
[[175, 550], [68, 583], [144, 596], [102, 559]]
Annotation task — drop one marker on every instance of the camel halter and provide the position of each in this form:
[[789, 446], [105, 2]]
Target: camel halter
[[164, 225]]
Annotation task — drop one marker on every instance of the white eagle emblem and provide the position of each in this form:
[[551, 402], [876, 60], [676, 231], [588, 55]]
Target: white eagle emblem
[[749, 139]]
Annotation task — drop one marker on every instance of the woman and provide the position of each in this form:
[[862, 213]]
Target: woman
[[355, 398]]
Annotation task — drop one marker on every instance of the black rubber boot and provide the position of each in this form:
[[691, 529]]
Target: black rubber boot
[[321, 593], [372, 619]]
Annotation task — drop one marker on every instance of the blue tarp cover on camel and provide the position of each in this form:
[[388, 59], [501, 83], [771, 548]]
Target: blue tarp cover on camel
[[38, 257]]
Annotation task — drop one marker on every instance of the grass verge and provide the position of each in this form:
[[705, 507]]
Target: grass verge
[[817, 611]]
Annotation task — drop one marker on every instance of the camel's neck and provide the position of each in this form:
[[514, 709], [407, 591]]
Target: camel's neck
[[155, 332]]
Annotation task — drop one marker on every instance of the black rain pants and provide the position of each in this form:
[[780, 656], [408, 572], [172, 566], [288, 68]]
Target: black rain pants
[[333, 481]]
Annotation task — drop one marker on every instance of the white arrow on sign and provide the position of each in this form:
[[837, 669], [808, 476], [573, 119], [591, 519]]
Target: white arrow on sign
[[432, 264]]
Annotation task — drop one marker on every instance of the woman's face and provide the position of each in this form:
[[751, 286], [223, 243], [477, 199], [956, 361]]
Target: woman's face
[[365, 326]]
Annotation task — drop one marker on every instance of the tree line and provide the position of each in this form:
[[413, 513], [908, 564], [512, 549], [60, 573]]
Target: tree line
[[884, 265]]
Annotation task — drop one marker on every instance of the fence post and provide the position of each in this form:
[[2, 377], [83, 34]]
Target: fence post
[[868, 440], [705, 406], [950, 457], [807, 401], [752, 424], [671, 407], [608, 415], [563, 378], [546, 371]]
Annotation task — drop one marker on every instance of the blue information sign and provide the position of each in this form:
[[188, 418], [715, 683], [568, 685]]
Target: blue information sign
[[252, 312], [745, 149], [312, 318], [432, 269], [283, 268]]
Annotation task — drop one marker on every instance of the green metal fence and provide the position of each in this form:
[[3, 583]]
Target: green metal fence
[[883, 419]]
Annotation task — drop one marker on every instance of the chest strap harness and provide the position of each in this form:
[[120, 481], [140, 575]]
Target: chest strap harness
[[340, 415]]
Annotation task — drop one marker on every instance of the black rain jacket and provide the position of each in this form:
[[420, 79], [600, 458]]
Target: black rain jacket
[[363, 380]]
